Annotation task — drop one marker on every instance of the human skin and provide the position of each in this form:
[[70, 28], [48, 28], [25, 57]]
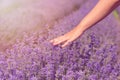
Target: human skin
[[99, 12]]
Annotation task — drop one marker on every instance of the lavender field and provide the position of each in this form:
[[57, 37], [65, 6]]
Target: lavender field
[[28, 54]]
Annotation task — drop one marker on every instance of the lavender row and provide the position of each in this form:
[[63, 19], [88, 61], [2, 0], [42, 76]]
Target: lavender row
[[93, 56]]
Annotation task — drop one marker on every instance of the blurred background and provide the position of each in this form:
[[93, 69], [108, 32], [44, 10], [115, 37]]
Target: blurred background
[[17, 17]]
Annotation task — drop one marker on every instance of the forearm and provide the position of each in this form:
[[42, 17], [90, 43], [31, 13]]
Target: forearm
[[100, 11]]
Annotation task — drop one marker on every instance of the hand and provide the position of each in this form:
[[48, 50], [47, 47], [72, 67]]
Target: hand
[[67, 38]]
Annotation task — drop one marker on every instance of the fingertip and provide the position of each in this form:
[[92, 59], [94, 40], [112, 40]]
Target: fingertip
[[55, 44], [51, 41], [64, 45]]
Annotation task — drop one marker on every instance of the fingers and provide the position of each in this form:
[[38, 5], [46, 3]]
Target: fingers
[[65, 44], [58, 40]]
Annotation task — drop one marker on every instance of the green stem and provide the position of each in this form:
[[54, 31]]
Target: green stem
[[116, 14]]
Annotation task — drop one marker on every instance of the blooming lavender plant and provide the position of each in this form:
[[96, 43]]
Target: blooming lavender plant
[[93, 56]]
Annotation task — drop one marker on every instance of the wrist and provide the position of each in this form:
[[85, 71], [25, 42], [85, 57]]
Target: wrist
[[81, 28]]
